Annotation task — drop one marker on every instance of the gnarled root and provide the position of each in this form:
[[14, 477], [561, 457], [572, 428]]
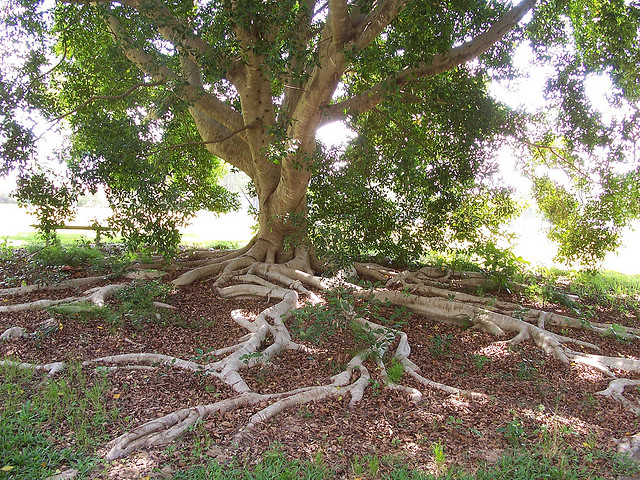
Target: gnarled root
[[251, 273], [165, 429], [97, 296], [50, 368], [63, 285], [272, 281], [615, 390]]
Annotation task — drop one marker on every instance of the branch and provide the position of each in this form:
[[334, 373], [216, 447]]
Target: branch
[[48, 72], [293, 86], [374, 23], [173, 29], [321, 84], [213, 117], [339, 15], [217, 140], [564, 160], [441, 62], [197, 95], [126, 93]]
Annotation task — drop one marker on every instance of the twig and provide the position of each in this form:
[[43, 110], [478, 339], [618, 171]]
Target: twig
[[217, 140]]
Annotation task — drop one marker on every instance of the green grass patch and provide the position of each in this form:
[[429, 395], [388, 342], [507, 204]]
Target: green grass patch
[[52, 425], [134, 306], [514, 465], [213, 244]]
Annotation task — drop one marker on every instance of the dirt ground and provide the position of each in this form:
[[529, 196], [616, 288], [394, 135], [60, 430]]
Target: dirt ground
[[530, 398]]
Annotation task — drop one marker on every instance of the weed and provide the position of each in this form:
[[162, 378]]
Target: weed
[[84, 312], [439, 457], [136, 302], [590, 401], [305, 412], [441, 345], [373, 465], [201, 441], [616, 331], [479, 361], [375, 387], [34, 417], [135, 305], [356, 467], [204, 356], [454, 422], [395, 371], [317, 323], [513, 432], [526, 371], [6, 250]]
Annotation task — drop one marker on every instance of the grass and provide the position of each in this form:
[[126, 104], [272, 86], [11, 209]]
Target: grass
[[47, 427], [134, 306], [605, 289], [53, 425], [51, 263], [514, 465]]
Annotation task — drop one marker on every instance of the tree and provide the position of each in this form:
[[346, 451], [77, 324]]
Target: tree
[[155, 93]]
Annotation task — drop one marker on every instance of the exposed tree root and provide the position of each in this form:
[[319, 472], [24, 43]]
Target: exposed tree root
[[63, 285], [97, 296], [615, 390], [50, 368], [250, 273]]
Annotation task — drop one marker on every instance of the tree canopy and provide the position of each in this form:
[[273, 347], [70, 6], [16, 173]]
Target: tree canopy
[[159, 97]]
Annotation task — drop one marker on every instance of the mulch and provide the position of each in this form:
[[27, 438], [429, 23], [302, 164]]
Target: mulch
[[530, 397]]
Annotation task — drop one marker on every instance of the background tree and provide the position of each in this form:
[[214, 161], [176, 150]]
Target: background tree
[[155, 93]]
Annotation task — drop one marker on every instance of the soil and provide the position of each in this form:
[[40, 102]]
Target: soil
[[530, 398]]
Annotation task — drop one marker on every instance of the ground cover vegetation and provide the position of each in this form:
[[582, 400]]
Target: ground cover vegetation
[[72, 387], [158, 97]]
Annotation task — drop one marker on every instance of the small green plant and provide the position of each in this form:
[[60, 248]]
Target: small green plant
[[249, 356], [305, 413], [356, 467], [58, 255], [373, 465], [136, 302], [395, 371], [84, 311], [526, 370], [375, 387], [441, 345], [317, 323], [439, 457], [454, 422], [616, 331], [203, 356], [590, 401], [201, 441], [479, 361], [513, 432], [500, 265], [6, 250]]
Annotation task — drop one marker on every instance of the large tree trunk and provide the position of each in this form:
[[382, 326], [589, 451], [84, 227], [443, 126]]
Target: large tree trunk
[[281, 188], [283, 229]]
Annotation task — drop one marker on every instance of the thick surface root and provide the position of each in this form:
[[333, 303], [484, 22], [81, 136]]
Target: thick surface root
[[247, 273], [97, 296]]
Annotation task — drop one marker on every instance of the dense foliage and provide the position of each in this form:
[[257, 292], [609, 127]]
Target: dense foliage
[[156, 96]]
